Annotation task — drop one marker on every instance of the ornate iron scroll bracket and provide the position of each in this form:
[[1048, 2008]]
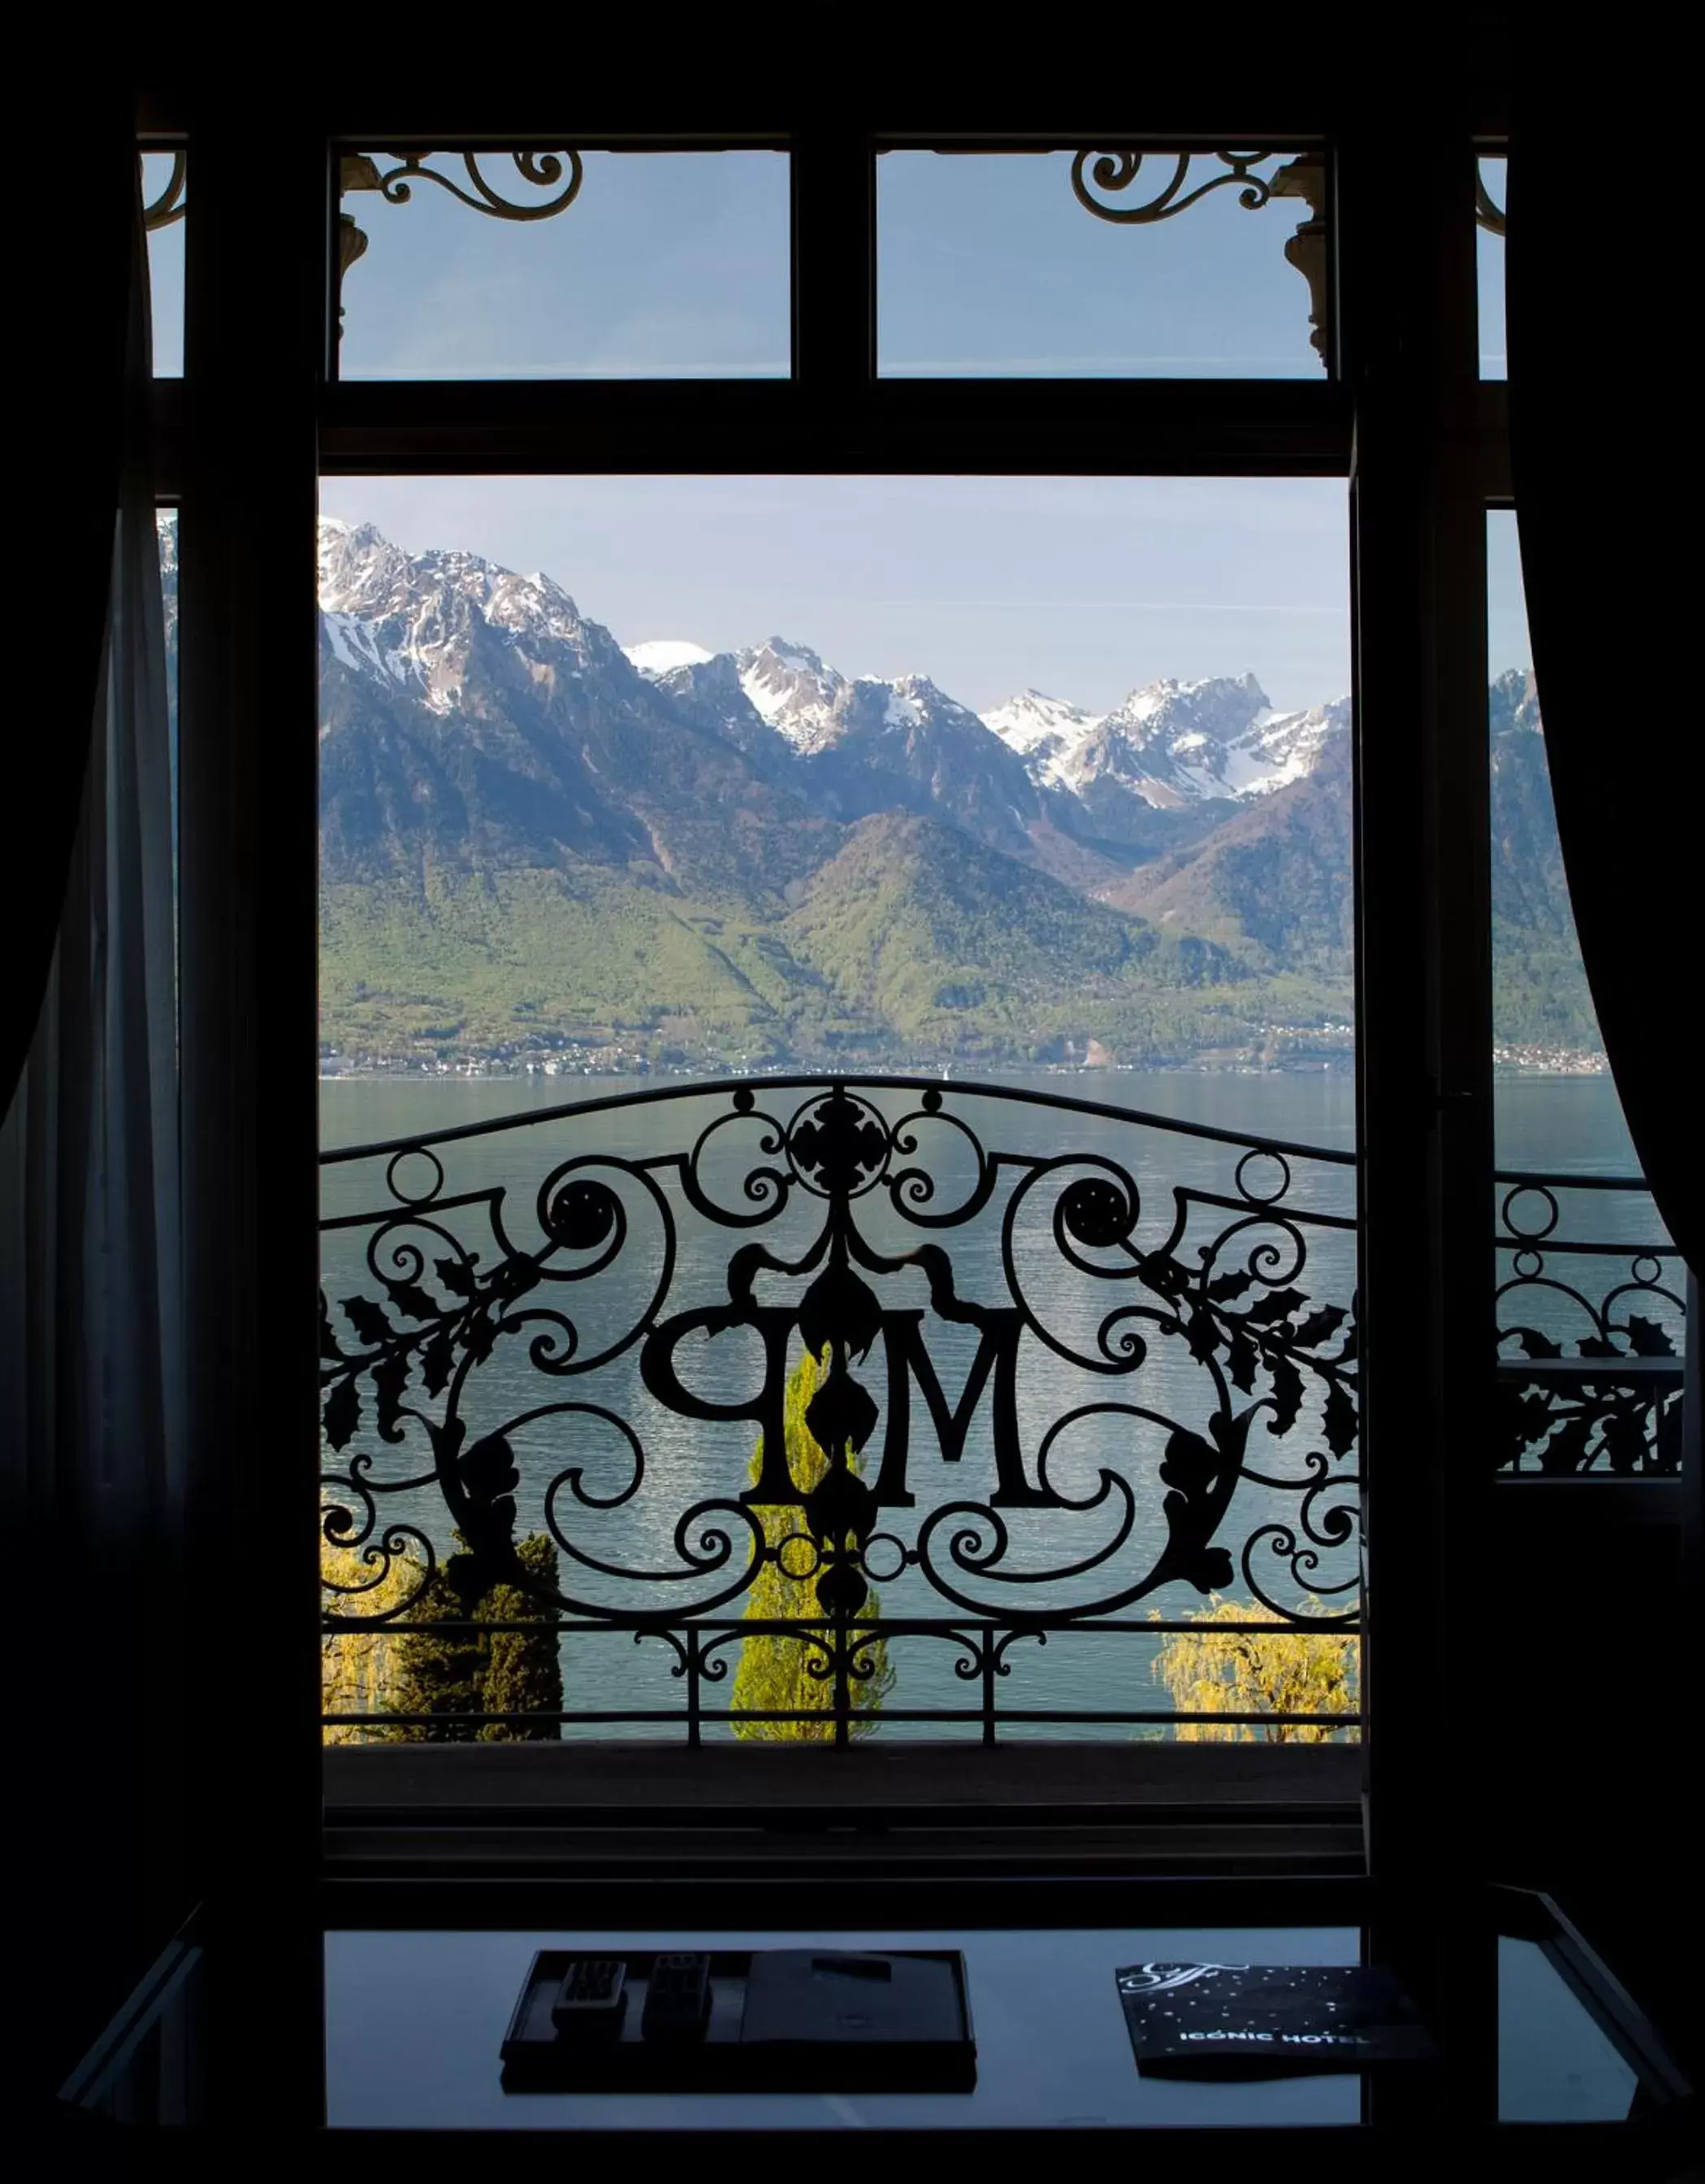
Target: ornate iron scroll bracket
[[559, 174], [1303, 177], [1488, 213], [1116, 171]]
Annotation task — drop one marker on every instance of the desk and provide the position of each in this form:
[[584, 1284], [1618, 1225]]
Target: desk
[[413, 2021]]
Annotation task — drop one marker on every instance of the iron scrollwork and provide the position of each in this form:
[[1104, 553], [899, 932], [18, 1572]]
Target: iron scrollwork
[[836, 1211], [1590, 1335], [170, 207], [558, 173], [1114, 172], [1100, 176], [1488, 213]]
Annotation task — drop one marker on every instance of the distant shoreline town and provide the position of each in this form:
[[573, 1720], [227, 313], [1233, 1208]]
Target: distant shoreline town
[[618, 1062]]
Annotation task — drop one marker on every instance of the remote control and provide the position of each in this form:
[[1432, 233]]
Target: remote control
[[591, 2001], [677, 1998]]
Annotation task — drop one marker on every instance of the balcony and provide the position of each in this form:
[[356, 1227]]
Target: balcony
[[924, 1423]]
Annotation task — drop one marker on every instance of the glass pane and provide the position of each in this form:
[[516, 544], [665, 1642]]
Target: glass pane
[[1489, 241], [611, 870], [164, 202], [1556, 2064], [1543, 1020], [1164, 264], [604, 265]]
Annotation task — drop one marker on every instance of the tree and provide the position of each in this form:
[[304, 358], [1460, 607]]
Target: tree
[[402, 1668], [523, 1668], [774, 1675], [435, 1672], [1295, 1671], [358, 1667]]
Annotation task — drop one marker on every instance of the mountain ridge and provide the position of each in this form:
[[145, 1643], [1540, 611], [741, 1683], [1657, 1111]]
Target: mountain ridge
[[534, 840]]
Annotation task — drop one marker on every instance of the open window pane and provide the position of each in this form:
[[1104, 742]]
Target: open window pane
[[164, 210], [628, 908], [1157, 265], [502, 264], [1544, 1022], [1494, 176]]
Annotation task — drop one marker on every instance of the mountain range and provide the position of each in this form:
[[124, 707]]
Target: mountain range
[[534, 840]]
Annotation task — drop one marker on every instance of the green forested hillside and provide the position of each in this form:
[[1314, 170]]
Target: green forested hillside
[[530, 844], [913, 941]]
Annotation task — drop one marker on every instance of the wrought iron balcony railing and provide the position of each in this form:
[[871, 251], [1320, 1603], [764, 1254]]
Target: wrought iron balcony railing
[[1591, 1329], [781, 1408], [1058, 1376]]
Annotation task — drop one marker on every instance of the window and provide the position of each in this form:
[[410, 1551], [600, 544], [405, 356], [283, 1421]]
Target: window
[[547, 264], [166, 204], [1236, 1254], [1141, 264], [564, 863], [1489, 254]]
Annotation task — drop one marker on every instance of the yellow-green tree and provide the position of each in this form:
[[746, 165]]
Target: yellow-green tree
[[358, 1667], [773, 1675], [1291, 1670], [403, 1667]]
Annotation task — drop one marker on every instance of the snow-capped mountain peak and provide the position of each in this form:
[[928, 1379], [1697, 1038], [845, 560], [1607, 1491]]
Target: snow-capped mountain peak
[[1039, 728], [1169, 742], [909, 700], [792, 688], [662, 655], [417, 622], [411, 619]]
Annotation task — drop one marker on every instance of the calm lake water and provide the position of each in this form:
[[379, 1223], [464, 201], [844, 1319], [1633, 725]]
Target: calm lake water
[[566, 1428]]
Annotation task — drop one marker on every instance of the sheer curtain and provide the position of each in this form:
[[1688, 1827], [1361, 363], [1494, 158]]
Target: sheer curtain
[[91, 1396]]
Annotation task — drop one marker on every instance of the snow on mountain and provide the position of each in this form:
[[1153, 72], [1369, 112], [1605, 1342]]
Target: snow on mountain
[[793, 690], [1039, 727], [913, 701], [415, 622], [412, 619], [1172, 743], [662, 655], [1278, 747]]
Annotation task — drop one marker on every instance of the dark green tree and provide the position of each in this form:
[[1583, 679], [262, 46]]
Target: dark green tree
[[774, 1673], [523, 1668], [434, 1672], [461, 1672]]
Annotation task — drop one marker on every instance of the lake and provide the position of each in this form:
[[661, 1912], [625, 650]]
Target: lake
[[630, 1530]]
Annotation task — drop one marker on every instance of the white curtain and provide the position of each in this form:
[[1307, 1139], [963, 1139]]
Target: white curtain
[[92, 1388]]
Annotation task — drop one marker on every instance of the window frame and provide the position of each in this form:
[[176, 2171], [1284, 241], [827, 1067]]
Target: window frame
[[1404, 420]]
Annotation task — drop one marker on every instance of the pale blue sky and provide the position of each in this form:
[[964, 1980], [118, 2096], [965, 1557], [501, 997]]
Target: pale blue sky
[[678, 265], [1081, 587]]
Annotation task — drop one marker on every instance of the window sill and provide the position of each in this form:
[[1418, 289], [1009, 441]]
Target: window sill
[[918, 1805]]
